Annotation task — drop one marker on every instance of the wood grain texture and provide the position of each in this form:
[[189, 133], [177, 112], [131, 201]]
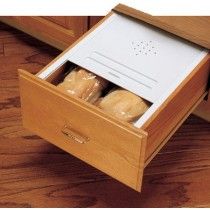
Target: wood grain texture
[[34, 173], [110, 147], [176, 106], [192, 28], [93, 20], [50, 31], [58, 31], [77, 24], [60, 20]]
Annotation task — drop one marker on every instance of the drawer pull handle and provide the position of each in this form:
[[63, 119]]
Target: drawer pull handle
[[74, 135]]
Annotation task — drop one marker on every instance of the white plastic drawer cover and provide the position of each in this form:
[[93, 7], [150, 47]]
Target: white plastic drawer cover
[[136, 56]]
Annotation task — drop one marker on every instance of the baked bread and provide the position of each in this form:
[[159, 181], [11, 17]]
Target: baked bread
[[83, 84], [124, 105]]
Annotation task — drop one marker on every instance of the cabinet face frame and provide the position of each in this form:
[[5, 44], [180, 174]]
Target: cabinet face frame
[[48, 31]]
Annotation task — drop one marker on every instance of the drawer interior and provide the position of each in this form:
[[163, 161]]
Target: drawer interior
[[65, 69]]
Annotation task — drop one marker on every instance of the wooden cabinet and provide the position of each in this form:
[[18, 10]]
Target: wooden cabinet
[[117, 148], [63, 21], [114, 147], [58, 31]]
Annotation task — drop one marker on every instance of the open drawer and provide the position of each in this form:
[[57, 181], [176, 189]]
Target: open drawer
[[119, 149]]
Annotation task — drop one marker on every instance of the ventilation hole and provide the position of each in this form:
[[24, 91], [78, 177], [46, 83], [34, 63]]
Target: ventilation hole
[[143, 48]]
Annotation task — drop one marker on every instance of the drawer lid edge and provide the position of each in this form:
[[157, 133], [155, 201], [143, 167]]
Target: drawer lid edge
[[192, 28]]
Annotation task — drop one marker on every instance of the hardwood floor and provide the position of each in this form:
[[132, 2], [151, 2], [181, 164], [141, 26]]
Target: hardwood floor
[[34, 173]]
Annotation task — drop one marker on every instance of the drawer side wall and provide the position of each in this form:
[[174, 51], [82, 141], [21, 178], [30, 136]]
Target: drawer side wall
[[166, 118]]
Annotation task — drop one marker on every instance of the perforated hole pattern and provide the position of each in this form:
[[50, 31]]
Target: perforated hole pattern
[[144, 48]]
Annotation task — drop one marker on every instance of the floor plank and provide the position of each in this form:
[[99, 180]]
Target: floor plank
[[34, 173]]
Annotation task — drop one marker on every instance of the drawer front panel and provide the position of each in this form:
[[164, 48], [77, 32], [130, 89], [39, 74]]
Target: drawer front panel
[[64, 121]]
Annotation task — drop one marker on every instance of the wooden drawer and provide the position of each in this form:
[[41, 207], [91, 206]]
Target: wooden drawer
[[117, 148], [108, 145]]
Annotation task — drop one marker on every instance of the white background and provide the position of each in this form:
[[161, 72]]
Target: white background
[[102, 7]]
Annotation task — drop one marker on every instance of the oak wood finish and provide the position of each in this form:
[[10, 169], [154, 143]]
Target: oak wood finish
[[113, 148], [176, 107], [58, 35], [160, 144], [93, 20], [34, 173], [60, 20], [38, 95]]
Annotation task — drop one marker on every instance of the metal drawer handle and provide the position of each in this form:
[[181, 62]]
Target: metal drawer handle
[[67, 131]]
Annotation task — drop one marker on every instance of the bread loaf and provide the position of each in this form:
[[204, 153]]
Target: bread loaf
[[124, 105], [83, 84]]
